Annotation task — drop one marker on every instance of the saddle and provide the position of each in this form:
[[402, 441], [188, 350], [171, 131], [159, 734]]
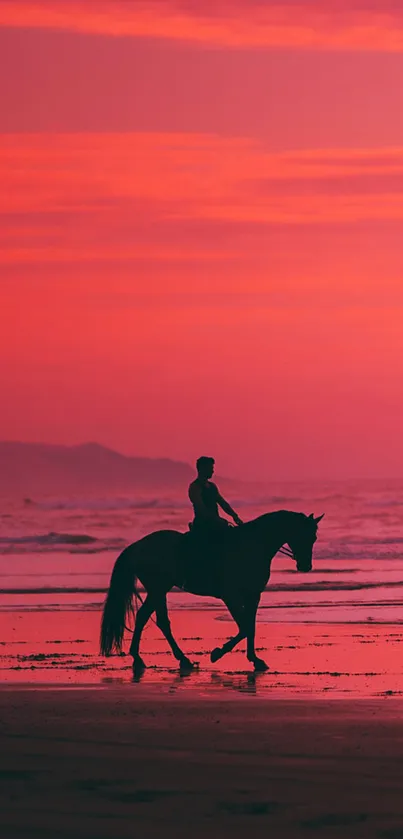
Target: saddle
[[200, 559], [221, 526]]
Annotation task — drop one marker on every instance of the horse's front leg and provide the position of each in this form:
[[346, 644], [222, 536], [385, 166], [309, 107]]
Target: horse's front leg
[[251, 607], [236, 610]]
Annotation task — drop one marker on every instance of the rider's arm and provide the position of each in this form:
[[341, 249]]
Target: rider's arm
[[228, 509]]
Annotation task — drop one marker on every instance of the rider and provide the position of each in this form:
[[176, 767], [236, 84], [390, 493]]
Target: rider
[[206, 499]]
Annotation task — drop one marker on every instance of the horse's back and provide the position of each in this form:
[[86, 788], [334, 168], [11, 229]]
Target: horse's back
[[159, 539], [155, 557]]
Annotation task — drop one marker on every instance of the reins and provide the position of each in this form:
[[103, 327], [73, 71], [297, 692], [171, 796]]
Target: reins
[[287, 552]]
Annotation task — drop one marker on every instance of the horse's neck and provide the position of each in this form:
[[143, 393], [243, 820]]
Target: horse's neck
[[272, 529], [266, 536]]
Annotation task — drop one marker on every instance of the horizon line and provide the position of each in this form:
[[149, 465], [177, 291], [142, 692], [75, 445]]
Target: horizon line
[[311, 479]]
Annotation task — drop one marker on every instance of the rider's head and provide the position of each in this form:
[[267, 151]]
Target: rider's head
[[205, 467]]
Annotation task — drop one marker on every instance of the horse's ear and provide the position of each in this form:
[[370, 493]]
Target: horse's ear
[[318, 519], [310, 516]]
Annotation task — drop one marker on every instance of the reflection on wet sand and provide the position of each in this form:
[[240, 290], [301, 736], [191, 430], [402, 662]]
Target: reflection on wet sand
[[305, 659], [174, 680]]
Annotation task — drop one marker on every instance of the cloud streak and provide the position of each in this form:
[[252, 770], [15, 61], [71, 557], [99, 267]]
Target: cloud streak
[[303, 24], [196, 176], [202, 214]]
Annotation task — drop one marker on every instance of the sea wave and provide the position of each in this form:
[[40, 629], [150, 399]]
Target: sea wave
[[58, 542], [384, 502], [104, 504], [268, 502], [303, 587], [70, 542], [360, 547], [50, 539], [373, 540], [386, 551]]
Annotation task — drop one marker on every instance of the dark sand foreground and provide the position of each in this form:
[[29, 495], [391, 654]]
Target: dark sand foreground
[[116, 762]]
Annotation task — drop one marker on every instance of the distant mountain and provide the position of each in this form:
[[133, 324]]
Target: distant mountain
[[29, 468]]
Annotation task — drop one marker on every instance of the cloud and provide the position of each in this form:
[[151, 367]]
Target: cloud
[[179, 198], [307, 24], [356, 183], [184, 175]]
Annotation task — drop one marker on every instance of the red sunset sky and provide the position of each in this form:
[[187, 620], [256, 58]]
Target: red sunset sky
[[201, 240]]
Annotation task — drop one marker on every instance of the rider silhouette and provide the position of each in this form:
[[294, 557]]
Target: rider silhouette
[[206, 500]]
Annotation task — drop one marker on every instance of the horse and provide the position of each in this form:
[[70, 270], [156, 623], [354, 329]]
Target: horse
[[238, 574]]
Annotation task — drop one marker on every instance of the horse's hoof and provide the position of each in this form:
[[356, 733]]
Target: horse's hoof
[[216, 654], [138, 665], [186, 665], [260, 665]]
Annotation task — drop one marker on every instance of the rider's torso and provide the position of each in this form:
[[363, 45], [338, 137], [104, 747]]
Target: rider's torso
[[209, 497]]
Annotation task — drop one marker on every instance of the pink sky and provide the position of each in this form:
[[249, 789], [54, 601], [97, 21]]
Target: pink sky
[[200, 247]]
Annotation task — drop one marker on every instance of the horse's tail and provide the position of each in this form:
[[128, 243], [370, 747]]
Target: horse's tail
[[118, 604]]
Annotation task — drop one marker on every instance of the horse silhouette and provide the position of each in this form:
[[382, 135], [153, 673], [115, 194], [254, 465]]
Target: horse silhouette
[[235, 568]]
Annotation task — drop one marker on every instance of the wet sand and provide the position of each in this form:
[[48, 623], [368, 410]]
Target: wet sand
[[311, 748], [306, 660], [120, 762]]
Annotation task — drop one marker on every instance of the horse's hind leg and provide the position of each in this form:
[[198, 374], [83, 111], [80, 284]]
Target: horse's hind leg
[[236, 611], [164, 625], [143, 615]]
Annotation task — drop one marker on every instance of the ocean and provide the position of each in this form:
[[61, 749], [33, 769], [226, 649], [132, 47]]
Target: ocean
[[57, 553]]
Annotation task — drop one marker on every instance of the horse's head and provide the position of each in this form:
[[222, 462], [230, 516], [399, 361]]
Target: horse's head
[[303, 539]]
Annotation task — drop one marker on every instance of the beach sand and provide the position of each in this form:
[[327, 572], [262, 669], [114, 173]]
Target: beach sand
[[122, 763], [311, 748]]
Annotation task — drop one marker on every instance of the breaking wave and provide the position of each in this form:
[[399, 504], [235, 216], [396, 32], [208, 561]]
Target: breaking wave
[[94, 504], [342, 549], [303, 587], [269, 502], [73, 542]]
